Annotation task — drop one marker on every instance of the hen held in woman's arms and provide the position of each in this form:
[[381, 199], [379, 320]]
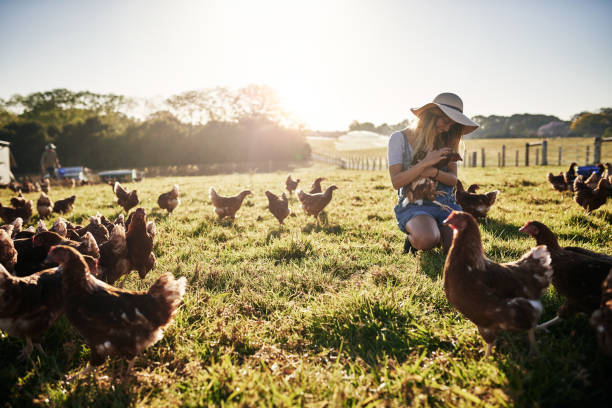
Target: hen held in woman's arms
[[424, 188]]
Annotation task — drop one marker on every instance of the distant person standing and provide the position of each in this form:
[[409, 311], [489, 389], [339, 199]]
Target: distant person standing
[[49, 161]]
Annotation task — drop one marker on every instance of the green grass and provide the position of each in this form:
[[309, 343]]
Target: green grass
[[323, 315]]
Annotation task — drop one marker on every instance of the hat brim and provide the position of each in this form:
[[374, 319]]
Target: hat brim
[[454, 114]]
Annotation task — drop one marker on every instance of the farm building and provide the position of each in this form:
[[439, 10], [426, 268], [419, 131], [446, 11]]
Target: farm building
[[5, 162]]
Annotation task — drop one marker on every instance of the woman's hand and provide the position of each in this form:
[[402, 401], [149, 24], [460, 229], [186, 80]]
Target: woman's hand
[[435, 156]]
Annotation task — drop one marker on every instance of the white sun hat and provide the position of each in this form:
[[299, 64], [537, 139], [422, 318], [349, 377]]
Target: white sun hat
[[452, 106]]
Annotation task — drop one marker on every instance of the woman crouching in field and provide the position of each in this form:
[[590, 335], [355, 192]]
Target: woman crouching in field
[[413, 154]]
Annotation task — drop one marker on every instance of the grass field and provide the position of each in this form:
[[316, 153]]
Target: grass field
[[331, 315], [573, 149]]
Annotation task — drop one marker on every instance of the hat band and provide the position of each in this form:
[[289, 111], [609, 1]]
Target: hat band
[[451, 106]]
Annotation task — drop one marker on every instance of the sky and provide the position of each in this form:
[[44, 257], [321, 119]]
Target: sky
[[331, 61]]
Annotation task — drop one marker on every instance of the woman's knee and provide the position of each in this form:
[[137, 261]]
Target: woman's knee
[[425, 240]]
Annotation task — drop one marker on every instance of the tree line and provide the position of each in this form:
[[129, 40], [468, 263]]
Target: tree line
[[195, 127], [583, 124]]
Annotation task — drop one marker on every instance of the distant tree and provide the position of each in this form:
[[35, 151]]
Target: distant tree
[[59, 107], [553, 129], [591, 124], [28, 140]]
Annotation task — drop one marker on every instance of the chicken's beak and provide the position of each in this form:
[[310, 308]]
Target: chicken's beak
[[525, 229], [448, 221]]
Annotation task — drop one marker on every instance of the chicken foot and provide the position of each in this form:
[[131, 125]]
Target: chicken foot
[[549, 323], [27, 350], [443, 206], [533, 346], [84, 371]]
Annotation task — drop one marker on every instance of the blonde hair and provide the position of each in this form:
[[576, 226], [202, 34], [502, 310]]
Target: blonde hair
[[428, 139]]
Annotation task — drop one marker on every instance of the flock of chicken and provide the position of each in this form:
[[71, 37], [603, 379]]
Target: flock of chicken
[[506, 296], [590, 193], [71, 269], [312, 202]]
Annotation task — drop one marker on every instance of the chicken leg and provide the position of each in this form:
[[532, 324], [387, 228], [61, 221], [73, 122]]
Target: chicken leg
[[549, 323], [26, 351], [533, 346]]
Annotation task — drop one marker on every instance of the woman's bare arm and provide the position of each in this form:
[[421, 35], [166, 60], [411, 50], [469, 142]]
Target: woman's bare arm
[[400, 178], [448, 177]]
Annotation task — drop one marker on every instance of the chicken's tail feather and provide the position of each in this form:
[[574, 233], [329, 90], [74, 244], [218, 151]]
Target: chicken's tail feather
[[170, 292], [521, 313]]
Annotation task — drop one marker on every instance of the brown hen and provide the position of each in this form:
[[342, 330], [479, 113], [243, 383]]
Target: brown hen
[[279, 207], [97, 229], [595, 176], [114, 321], [139, 237], [114, 262], [494, 296], [578, 273], [8, 253], [227, 206], [425, 188], [557, 182], [316, 186], [477, 205], [170, 200], [588, 198], [570, 175], [291, 184], [125, 199], [313, 204], [64, 206], [30, 305], [601, 319], [24, 210], [44, 205]]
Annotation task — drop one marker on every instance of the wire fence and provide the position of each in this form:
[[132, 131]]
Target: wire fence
[[538, 153]]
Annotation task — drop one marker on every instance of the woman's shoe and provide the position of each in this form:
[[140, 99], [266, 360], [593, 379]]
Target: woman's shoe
[[408, 248]]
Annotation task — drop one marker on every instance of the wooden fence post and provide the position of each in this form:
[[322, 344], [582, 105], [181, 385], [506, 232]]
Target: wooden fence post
[[544, 153], [577, 154], [597, 149], [537, 156], [498, 159], [474, 159], [503, 155], [588, 148], [560, 152], [482, 156], [517, 158], [526, 154]]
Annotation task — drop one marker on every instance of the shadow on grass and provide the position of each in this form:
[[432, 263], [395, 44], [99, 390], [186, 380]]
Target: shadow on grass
[[274, 234], [22, 381], [158, 214], [431, 263], [569, 350], [370, 329], [501, 229], [328, 229]]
